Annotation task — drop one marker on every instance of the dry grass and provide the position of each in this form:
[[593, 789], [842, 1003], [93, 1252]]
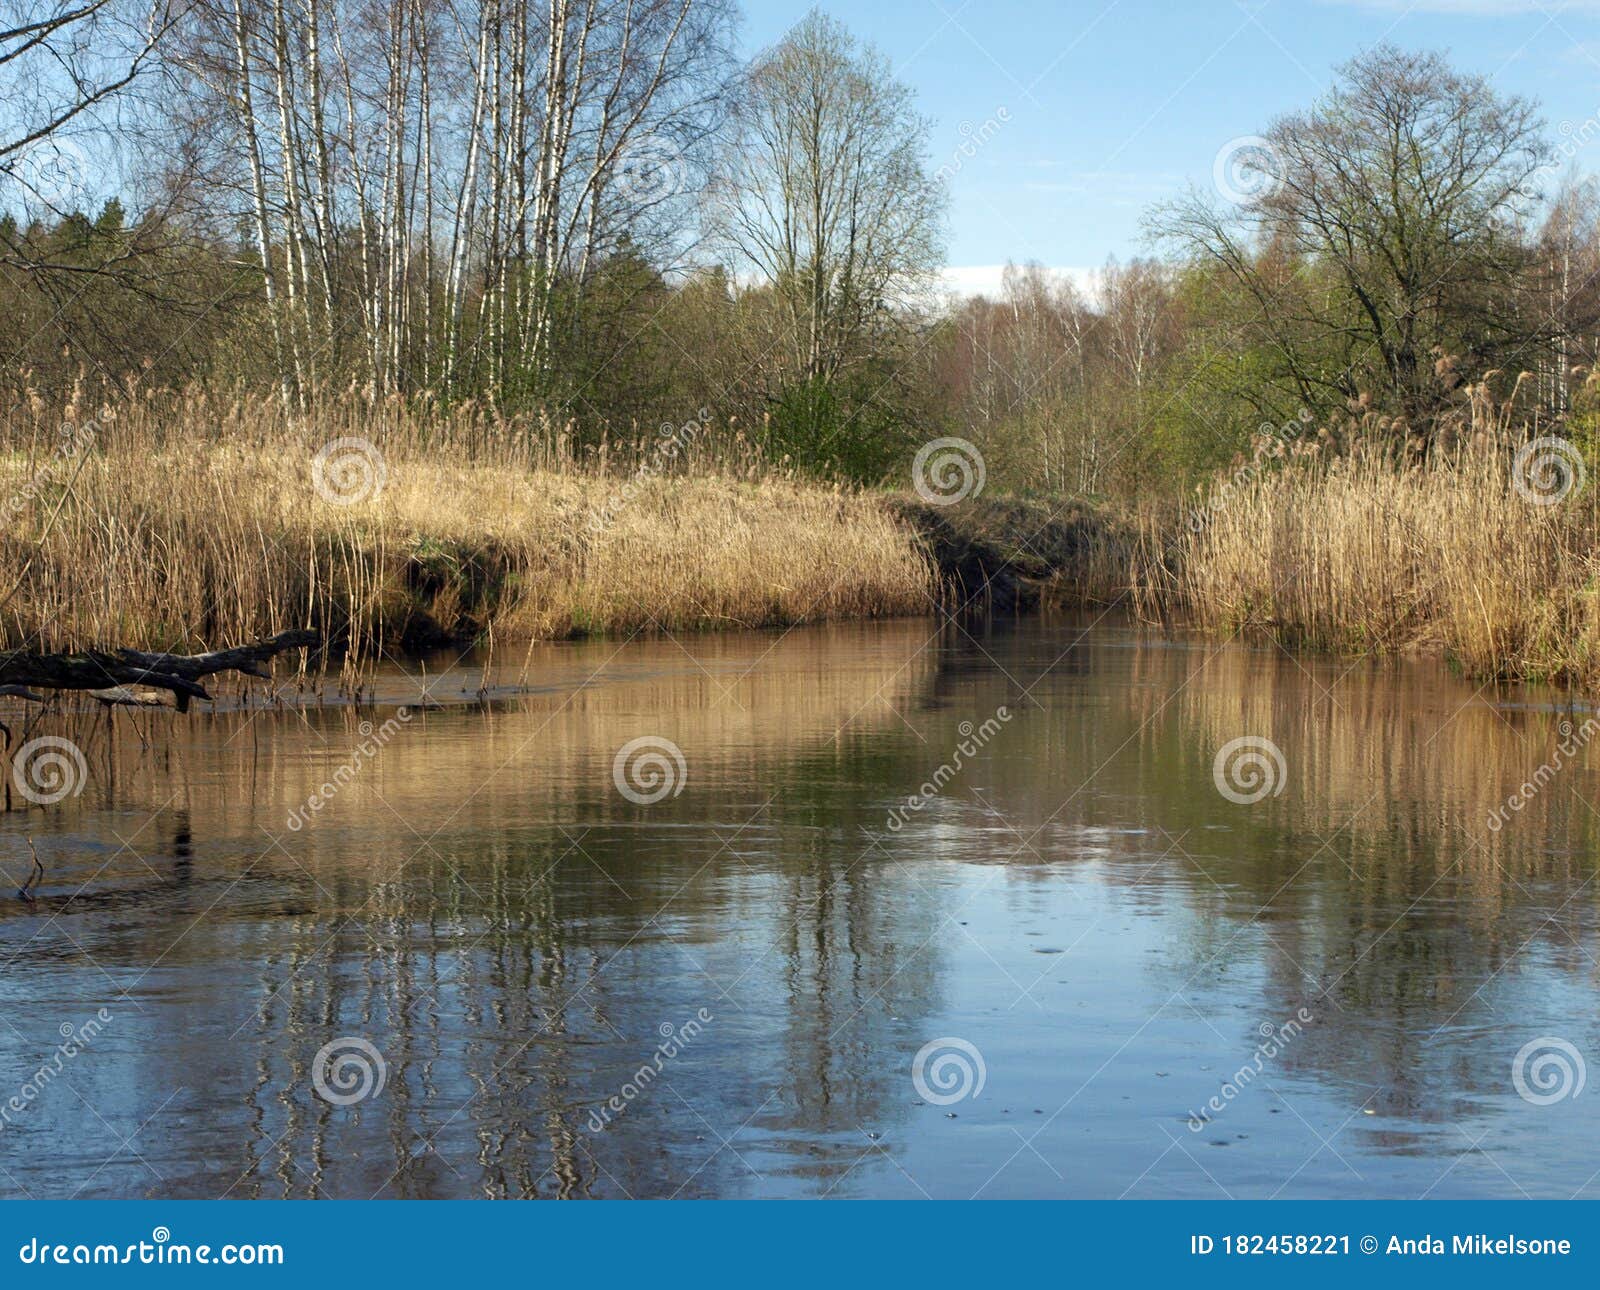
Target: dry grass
[[1358, 553], [183, 523]]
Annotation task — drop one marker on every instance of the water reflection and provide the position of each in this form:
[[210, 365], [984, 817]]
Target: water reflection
[[524, 946]]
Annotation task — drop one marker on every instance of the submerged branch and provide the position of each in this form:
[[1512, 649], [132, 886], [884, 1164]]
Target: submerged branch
[[109, 674]]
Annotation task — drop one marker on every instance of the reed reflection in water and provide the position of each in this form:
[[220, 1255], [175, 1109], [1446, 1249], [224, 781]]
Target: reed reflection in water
[[563, 992]]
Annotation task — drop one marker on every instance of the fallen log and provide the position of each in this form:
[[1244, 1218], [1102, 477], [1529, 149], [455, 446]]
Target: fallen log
[[22, 672], [122, 696]]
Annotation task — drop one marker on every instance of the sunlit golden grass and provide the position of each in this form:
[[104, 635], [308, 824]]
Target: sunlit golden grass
[[1360, 554], [184, 521], [182, 526]]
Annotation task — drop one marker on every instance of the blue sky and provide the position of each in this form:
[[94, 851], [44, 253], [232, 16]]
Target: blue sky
[[1113, 104]]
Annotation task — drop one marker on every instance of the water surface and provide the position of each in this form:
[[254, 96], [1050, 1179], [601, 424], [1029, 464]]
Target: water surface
[[725, 992]]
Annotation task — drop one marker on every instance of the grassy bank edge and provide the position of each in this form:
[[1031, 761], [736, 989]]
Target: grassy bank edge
[[148, 542]]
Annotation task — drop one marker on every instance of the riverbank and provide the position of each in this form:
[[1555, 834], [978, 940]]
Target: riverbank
[[180, 528], [182, 553], [186, 523], [1489, 557]]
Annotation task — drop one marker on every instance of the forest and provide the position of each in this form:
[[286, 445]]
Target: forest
[[585, 238], [699, 599]]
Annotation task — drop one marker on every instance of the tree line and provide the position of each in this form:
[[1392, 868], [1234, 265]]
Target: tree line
[[590, 216]]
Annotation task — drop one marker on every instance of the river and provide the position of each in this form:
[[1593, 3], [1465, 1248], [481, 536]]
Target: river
[[913, 912]]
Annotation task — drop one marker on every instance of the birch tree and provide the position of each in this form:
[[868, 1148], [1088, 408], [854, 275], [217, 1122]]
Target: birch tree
[[431, 183], [823, 193], [61, 63]]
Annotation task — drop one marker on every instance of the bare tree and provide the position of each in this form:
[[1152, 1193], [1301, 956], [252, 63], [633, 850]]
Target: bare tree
[[432, 183], [61, 62], [70, 76], [1058, 385], [823, 192], [1569, 255], [1384, 232]]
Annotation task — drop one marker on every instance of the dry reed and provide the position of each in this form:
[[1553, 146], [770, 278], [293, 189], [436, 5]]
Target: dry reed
[[1360, 553], [184, 521]]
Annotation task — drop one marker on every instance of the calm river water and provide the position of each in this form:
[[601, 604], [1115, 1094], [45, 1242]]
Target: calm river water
[[472, 965]]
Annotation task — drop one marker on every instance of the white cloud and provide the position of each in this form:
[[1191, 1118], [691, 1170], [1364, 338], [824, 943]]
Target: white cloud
[[984, 279]]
